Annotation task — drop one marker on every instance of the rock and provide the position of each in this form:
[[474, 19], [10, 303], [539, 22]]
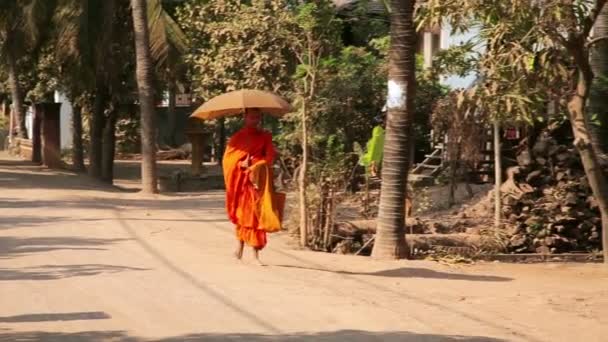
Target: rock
[[524, 158], [532, 221], [541, 161], [532, 176], [592, 203], [564, 156], [440, 228], [518, 240], [541, 147], [571, 199]]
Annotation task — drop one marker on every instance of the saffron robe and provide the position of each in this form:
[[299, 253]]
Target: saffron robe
[[251, 203]]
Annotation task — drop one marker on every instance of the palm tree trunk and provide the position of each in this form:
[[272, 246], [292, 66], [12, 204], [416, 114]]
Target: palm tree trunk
[[598, 103], [16, 94], [390, 237], [77, 146], [109, 146], [146, 96]]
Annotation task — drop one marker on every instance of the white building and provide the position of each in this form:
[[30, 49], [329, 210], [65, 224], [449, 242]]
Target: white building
[[65, 120]]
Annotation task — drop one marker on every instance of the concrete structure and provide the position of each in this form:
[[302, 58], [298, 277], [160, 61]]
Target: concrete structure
[[65, 120], [434, 40]]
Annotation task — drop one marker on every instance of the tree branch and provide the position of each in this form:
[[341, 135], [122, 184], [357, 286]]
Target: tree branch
[[596, 40], [590, 20]]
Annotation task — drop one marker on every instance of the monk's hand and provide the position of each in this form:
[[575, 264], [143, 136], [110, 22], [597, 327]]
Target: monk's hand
[[246, 163]]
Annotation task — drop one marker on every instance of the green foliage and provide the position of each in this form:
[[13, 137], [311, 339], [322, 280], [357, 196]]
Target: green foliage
[[525, 62], [44, 77], [237, 45]]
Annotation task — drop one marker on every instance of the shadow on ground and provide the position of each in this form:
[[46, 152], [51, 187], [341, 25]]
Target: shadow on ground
[[410, 272], [55, 317], [20, 174], [52, 272], [335, 336], [12, 222], [15, 246], [214, 201]]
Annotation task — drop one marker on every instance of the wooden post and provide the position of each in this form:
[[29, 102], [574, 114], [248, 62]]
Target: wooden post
[[36, 133], [497, 175], [10, 125], [51, 139]]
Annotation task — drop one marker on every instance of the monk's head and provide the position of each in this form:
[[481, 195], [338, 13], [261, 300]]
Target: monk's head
[[253, 117]]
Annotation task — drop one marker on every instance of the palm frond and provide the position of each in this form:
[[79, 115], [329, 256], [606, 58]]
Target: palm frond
[[166, 37], [37, 15]]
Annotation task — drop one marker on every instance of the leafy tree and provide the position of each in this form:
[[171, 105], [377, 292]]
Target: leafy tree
[[535, 52], [22, 24]]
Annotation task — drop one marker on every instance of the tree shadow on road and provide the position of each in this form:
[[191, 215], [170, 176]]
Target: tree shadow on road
[[52, 272], [15, 246], [11, 222], [333, 336], [55, 317], [409, 272], [212, 203]]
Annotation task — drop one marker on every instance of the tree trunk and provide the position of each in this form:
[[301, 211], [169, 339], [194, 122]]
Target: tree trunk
[[16, 94], [497, 175], [390, 239], [171, 119], [302, 185], [96, 125], [77, 146], [146, 96], [221, 140], [582, 141], [97, 122], [598, 104], [109, 146]]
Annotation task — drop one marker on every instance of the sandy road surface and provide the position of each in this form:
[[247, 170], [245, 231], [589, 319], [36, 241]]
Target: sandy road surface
[[84, 262]]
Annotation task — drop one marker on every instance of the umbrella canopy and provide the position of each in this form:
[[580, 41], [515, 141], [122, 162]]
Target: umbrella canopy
[[235, 102]]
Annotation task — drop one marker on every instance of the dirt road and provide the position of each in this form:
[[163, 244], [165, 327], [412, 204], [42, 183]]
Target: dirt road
[[84, 262]]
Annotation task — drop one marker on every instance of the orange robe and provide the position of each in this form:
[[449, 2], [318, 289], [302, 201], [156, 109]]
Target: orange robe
[[250, 199]]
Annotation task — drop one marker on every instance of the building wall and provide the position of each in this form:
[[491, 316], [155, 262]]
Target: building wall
[[447, 40], [65, 120]]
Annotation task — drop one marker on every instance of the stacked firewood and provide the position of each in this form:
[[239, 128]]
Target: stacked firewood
[[547, 203]]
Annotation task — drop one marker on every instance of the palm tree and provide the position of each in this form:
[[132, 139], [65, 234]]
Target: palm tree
[[146, 95], [90, 48], [390, 238]]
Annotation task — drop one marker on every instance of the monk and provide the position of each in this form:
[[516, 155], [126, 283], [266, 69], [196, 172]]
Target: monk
[[250, 200]]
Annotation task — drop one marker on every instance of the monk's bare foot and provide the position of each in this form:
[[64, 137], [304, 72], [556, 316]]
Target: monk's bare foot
[[257, 260], [239, 251]]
